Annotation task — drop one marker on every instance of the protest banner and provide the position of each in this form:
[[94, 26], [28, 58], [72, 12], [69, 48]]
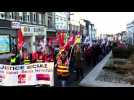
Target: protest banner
[[32, 74]]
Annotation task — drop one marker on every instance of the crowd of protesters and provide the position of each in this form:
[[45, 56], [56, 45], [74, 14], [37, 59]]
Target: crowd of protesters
[[67, 60], [94, 52], [44, 53], [91, 53]]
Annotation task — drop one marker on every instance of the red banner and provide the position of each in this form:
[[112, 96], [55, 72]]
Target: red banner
[[20, 39]]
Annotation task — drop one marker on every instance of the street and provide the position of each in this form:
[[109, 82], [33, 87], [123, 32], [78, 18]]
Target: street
[[71, 81], [59, 49]]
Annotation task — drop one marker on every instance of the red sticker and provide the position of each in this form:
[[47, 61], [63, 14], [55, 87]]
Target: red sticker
[[22, 78]]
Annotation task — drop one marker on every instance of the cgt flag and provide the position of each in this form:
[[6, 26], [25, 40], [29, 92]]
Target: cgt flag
[[20, 39], [62, 43]]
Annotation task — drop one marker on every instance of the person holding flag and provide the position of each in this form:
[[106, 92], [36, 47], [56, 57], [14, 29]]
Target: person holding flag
[[16, 59], [62, 67]]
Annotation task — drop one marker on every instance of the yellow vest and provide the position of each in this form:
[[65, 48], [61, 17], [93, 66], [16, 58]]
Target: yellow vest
[[39, 61], [77, 40], [13, 60], [26, 61], [62, 70]]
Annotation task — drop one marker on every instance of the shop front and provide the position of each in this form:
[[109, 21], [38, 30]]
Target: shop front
[[8, 40], [32, 35], [8, 37], [51, 36]]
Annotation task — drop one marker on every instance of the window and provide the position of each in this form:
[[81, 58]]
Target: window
[[39, 18], [31, 17], [49, 22], [8, 15], [61, 19], [28, 29], [25, 16], [57, 19], [34, 17], [49, 13], [17, 16], [43, 19], [13, 15], [2, 15], [28, 17], [56, 26], [60, 27]]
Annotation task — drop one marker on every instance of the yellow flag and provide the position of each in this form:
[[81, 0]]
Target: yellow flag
[[77, 39]]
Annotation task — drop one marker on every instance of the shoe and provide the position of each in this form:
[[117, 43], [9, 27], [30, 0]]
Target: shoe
[[74, 71]]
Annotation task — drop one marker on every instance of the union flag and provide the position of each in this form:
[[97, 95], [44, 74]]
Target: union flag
[[20, 39]]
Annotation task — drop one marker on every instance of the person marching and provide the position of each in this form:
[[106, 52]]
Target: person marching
[[79, 69], [40, 58], [62, 67], [13, 60], [26, 57]]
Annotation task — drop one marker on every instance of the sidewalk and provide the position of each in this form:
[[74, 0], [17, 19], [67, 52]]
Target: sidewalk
[[89, 79]]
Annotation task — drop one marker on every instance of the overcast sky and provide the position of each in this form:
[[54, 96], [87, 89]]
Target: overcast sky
[[109, 22]]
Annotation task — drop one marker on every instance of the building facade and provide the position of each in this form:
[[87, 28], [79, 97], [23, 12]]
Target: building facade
[[130, 32], [83, 30], [51, 30], [61, 21], [33, 27], [75, 23], [8, 29], [32, 24], [93, 32], [90, 31]]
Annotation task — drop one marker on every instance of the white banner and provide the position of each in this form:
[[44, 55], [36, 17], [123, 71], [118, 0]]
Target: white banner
[[32, 74]]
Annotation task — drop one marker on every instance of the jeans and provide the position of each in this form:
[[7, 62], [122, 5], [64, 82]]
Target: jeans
[[72, 66], [62, 81], [79, 73]]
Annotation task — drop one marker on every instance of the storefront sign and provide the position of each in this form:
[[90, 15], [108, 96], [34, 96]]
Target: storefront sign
[[32, 74], [34, 30], [15, 25]]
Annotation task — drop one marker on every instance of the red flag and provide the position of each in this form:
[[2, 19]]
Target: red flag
[[20, 39], [61, 42], [69, 42], [50, 42], [58, 37], [71, 39], [67, 46], [62, 38]]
